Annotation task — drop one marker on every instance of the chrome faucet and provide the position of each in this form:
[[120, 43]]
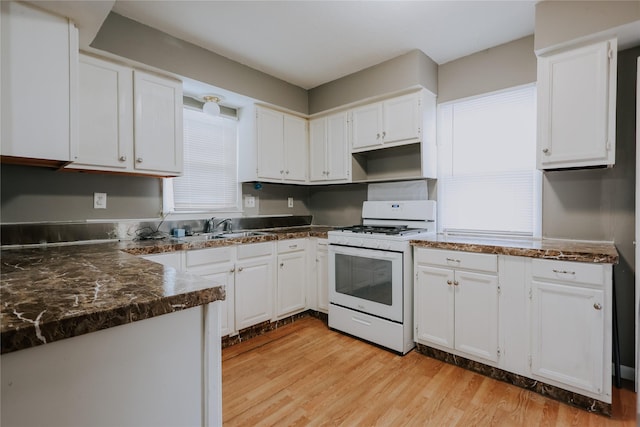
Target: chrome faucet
[[211, 226]]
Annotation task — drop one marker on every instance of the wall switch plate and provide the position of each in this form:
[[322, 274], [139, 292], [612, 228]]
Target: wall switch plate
[[99, 200], [290, 202], [249, 202]]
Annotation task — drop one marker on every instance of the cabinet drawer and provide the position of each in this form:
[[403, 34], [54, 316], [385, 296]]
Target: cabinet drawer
[[291, 245], [199, 257], [458, 259], [254, 250], [567, 271]]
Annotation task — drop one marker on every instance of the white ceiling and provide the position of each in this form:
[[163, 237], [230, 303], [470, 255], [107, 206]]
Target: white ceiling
[[308, 43]]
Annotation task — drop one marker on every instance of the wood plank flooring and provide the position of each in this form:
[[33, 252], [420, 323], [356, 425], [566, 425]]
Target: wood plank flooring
[[304, 374]]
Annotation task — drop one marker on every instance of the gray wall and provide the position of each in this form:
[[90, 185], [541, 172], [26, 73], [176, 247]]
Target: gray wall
[[561, 21], [338, 205], [33, 194], [411, 69], [599, 204], [271, 199], [508, 65], [130, 39]]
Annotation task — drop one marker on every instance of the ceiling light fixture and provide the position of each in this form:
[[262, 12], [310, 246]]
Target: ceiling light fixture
[[211, 105]]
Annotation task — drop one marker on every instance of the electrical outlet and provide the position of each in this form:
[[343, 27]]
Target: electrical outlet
[[249, 202], [290, 202], [99, 200]]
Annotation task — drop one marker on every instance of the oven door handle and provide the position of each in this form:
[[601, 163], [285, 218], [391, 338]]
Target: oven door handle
[[364, 322]]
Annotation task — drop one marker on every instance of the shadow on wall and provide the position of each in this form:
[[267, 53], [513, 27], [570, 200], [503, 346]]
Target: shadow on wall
[[34, 194], [338, 205]]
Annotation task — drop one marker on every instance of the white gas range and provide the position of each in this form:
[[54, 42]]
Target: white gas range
[[371, 272]]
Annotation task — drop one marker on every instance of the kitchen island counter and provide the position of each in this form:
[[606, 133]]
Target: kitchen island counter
[[554, 249], [50, 293]]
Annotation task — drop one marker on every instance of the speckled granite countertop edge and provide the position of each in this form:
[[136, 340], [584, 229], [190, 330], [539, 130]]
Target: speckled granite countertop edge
[[552, 249]]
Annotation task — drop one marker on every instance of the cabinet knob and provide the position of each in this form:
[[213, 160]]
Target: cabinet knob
[[139, 160], [123, 158], [281, 264], [377, 136], [449, 282], [281, 172], [597, 306], [384, 134], [239, 269], [455, 283], [545, 150], [287, 172], [233, 270]]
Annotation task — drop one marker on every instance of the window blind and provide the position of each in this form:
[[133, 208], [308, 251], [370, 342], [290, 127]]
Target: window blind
[[210, 178], [487, 177]]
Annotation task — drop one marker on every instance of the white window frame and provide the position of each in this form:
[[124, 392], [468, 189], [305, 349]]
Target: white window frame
[[443, 150], [168, 205]]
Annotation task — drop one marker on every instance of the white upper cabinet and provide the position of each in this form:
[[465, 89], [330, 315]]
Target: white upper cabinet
[[329, 159], [577, 107], [157, 103], [274, 147], [105, 132], [114, 138], [39, 72], [395, 121]]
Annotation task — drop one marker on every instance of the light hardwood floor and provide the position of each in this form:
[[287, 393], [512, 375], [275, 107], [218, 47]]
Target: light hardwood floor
[[304, 374]]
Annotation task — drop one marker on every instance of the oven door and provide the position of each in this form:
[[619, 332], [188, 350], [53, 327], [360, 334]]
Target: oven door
[[366, 280]]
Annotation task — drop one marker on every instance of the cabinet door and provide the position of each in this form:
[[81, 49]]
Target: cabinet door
[[322, 276], [401, 119], [158, 124], [292, 273], [434, 310], [366, 122], [105, 136], [568, 334], [576, 107], [317, 149], [224, 275], [338, 159], [296, 157], [270, 136], [476, 314], [39, 81], [254, 291]]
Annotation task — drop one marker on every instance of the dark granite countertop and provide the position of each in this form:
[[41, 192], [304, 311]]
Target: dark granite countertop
[[52, 292], [563, 250], [188, 243]]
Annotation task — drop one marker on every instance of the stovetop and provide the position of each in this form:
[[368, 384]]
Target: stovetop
[[398, 230]]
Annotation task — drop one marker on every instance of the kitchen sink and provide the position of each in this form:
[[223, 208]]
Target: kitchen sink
[[224, 235]]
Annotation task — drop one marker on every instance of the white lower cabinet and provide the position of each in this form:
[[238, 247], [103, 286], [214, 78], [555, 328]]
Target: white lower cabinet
[[254, 283], [544, 319], [457, 309], [570, 324], [292, 277]]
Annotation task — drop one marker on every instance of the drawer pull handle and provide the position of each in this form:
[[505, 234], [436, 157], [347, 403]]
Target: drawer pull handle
[[453, 260], [564, 272], [364, 322], [597, 306]]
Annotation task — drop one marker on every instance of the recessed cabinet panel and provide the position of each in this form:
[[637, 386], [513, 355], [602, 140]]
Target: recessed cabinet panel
[[576, 107], [254, 292], [402, 119], [329, 159], [366, 122], [434, 306], [317, 150], [568, 335], [295, 149], [158, 124], [105, 115], [39, 80], [270, 137]]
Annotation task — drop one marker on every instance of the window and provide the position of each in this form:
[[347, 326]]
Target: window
[[210, 178], [487, 177]]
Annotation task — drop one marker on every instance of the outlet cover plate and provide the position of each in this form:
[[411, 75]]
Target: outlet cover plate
[[100, 200]]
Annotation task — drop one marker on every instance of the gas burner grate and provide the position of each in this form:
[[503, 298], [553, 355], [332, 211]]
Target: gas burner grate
[[386, 230]]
